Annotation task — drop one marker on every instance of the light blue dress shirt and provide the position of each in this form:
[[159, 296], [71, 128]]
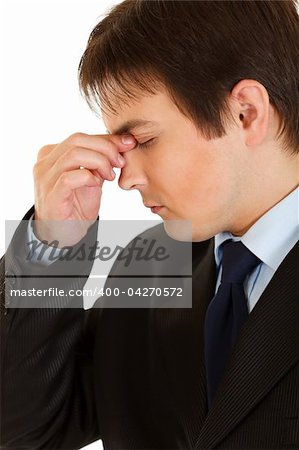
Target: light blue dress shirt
[[270, 238]]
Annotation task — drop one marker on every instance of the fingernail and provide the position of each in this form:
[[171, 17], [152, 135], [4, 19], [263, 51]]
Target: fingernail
[[121, 160], [127, 139], [112, 173]]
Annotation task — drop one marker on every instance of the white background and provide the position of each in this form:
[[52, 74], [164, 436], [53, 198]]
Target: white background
[[41, 45]]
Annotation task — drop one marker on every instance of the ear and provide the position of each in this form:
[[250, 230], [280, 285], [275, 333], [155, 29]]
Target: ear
[[251, 106]]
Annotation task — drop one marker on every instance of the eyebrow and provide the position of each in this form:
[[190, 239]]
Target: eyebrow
[[129, 126]]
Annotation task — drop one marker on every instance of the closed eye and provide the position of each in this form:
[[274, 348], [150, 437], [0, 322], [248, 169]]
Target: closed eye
[[146, 144]]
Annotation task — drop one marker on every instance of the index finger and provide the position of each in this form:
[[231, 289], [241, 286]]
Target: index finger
[[123, 142], [109, 145]]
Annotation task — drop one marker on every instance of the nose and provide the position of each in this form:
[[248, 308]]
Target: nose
[[132, 175]]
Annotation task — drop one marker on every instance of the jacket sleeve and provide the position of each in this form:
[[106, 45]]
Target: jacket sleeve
[[47, 386]]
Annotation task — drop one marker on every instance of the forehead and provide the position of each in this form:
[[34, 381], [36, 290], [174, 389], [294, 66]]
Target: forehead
[[145, 110]]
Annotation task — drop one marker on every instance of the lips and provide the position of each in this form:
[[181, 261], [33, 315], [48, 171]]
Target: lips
[[154, 208]]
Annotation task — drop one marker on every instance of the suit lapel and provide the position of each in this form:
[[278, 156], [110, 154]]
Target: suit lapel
[[266, 349], [180, 344]]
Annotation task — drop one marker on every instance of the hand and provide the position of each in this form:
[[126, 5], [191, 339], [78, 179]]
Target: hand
[[67, 198]]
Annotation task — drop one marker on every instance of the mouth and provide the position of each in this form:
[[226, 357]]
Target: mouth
[[154, 208]]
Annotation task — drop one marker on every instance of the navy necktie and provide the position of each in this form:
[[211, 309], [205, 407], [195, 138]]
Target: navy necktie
[[227, 311]]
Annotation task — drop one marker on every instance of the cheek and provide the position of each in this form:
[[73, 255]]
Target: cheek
[[204, 186], [205, 178], [192, 179]]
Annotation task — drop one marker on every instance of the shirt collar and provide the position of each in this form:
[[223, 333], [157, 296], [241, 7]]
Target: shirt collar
[[273, 236]]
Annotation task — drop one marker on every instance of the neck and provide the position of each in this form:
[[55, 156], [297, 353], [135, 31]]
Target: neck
[[270, 185]]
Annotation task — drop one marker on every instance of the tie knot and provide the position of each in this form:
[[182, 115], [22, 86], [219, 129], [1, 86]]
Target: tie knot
[[237, 262]]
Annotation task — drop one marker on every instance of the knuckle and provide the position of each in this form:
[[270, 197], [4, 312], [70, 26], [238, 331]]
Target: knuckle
[[105, 165], [64, 179], [76, 138], [36, 169], [43, 151], [111, 148], [87, 175], [101, 161], [75, 155]]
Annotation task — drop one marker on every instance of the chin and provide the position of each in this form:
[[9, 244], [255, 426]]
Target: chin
[[203, 232], [180, 230]]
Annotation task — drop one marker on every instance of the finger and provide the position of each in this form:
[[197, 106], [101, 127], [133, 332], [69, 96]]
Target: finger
[[105, 144], [97, 175], [89, 159], [69, 181], [44, 151], [123, 142]]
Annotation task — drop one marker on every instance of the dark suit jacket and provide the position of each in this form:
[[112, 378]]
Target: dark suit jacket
[[135, 377]]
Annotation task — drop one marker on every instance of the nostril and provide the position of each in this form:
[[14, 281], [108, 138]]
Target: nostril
[[126, 185]]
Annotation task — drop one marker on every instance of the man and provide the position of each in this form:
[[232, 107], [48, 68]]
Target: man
[[201, 101]]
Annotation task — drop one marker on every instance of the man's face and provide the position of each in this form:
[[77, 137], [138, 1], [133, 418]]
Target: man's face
[[175, 167]]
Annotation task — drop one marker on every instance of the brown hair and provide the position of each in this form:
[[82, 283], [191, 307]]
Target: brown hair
[[198, 50]]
